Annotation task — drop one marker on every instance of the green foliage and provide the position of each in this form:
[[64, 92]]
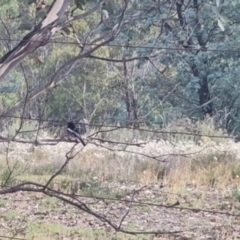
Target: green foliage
[[236, 194], [94, 188], [80, 3], [174, 84]]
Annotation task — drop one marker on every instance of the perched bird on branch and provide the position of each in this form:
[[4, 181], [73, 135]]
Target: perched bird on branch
[[74, 131]]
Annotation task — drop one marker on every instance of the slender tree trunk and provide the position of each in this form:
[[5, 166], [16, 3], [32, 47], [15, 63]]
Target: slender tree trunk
[[203, 92], [205, 98]]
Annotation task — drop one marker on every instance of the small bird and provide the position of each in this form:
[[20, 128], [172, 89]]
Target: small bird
[[74, 131]]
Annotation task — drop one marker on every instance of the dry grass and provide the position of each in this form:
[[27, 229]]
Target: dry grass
[[182, 158], [195, 170], [180, 163]]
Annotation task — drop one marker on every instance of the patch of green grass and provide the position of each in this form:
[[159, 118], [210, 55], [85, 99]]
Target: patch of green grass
[[3, 202], [65, 183], [10, 215], [45, 230], [8, 175], [95, 188], [236, 194], [47, 168]]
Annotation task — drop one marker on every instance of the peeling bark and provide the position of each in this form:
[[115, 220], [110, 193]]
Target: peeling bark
[[38, 37]]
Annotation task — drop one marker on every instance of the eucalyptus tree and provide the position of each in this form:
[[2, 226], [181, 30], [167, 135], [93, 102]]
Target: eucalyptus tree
[[167, 44], [202, 34], [105, 22], [55, 20]]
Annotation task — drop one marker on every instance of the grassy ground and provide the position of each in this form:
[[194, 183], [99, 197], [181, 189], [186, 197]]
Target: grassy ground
[[188, 173]]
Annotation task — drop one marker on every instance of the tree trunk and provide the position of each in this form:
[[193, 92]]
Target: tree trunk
[[38, 37], [205, 98]]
